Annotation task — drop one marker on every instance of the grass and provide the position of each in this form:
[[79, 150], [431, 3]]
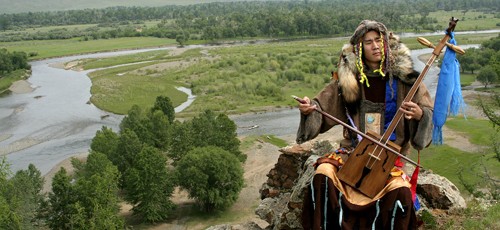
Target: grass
[[235, 79], [57, 5], [470, 172], [7, 80], [45, 29], [232, 80], [448, 161], [471, 20], [249, 141], [68, 47], [271, 139], [495, 89], [463, 39], [467, 79], [96, 63], [117, 89]]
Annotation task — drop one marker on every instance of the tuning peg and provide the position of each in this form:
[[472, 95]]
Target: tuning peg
[[427, 43], [456, 48]]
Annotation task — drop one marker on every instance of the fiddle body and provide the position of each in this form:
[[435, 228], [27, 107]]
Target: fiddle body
[[374, 162]]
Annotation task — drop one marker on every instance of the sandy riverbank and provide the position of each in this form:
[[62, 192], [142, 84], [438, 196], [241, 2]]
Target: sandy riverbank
[[21, 86]]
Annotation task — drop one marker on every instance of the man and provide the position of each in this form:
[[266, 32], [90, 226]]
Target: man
[[375, 73]]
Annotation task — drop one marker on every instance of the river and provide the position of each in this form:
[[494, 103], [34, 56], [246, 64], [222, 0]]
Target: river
[[55, 120]]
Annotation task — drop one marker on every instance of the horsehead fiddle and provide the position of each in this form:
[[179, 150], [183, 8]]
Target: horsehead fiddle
[[369, 165]]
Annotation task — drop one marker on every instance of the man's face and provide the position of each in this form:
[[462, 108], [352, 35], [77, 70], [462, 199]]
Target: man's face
[[371, 49]]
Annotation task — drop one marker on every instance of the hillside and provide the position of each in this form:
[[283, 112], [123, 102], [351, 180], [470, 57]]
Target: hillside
[[20, 6]]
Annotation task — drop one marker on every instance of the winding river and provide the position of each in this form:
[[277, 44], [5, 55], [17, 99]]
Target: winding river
[[55, 120]]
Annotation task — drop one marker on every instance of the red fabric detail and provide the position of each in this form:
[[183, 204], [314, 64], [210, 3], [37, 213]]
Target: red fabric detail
[[414, 179], [398, 163]]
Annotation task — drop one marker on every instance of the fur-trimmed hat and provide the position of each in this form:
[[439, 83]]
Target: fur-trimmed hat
[[365, 26], [397, 60], [357, 42]]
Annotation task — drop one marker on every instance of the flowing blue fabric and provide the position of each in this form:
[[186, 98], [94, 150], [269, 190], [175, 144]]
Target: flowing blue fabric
[[448, 99]]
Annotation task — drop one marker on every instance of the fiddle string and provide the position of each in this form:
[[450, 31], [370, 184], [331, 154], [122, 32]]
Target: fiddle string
[[371, 162]]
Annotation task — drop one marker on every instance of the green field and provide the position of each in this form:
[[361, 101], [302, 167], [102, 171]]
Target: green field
[[68, 47], [470, 21], [7, 80], [234, 79], [448, 161]]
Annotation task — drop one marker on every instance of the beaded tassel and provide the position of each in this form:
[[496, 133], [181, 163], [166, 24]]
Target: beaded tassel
[[360, 66], [382, 50], [383, 62]]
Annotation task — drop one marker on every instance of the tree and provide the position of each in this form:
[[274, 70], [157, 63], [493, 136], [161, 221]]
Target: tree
[[490, 105], [487, 76], [97, 190], [181, 141], [181, 39], [27, 188], [8, 218], [212, 176], [20, 197], [210, 129], [4, 23], [88, 202], [137, 122], [160, 129], [105, 141], [164, 104], [207, 129], [149, 186], [128, 148], [61, 201]]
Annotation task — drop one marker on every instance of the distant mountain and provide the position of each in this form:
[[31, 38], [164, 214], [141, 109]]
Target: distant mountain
[[18, 6]]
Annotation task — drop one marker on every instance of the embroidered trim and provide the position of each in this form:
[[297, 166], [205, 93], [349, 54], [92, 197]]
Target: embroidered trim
[[326, 203], [312, 196], [340, 212], [376, 215], [396, 205]]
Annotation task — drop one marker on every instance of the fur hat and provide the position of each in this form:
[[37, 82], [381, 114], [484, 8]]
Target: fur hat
[[365, 26], [397, 60], [357, 42]]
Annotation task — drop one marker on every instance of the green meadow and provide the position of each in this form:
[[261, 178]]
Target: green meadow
[[466, 169], [10, 78], [67, 47], [468, 20], [233, 79], [236, 79]]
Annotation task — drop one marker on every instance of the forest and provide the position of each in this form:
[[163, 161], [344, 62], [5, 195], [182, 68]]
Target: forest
[[213, 21]]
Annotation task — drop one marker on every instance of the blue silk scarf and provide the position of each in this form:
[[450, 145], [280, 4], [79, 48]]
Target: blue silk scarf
[[448, 99]]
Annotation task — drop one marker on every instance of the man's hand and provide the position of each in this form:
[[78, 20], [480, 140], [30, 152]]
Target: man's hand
[[412, 111], [306, 108]]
